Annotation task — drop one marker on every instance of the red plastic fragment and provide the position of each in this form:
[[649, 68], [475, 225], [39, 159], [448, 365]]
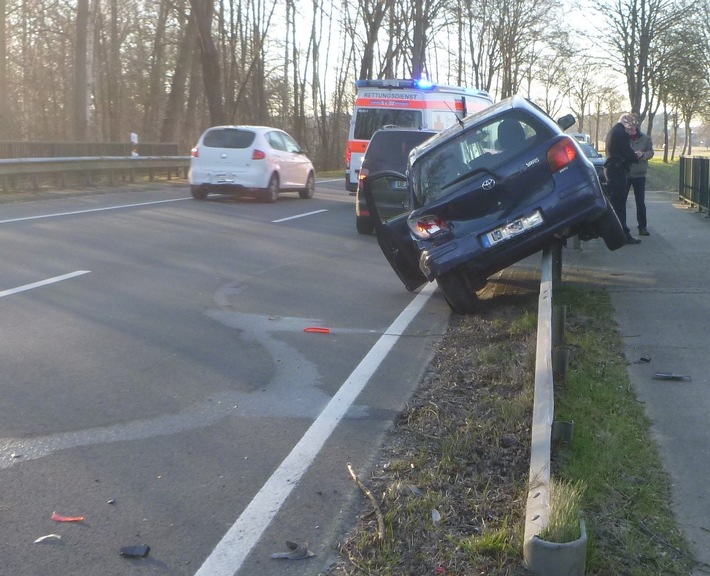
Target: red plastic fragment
[[317, 330], [59, 518]]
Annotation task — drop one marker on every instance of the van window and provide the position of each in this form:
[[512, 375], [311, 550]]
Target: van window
[[228, 138], [368, 120]]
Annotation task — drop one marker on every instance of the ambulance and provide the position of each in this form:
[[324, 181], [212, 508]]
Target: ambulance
[[405, 103]]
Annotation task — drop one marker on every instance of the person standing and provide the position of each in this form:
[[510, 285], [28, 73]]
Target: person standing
[[619, 156], [640, 142]]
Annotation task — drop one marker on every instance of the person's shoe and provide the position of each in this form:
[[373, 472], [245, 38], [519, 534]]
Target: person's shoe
[[644, 232], [631, 240]]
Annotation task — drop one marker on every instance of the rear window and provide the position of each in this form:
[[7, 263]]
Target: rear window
[[369, 120], [395, 145], [481, 148], [229, 138]]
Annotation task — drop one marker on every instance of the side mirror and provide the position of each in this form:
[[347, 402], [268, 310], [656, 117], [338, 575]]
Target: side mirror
[[566, 121]]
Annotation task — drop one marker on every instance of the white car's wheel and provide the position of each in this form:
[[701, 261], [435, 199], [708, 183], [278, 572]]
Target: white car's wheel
[[310, 188], [272, 190]]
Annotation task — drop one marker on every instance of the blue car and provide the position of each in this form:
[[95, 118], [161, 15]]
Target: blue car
[[484, 194]]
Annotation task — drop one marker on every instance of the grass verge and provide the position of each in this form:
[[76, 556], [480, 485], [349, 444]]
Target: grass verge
[[452, 477]]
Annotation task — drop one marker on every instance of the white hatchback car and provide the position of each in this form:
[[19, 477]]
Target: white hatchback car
[[249, 160]]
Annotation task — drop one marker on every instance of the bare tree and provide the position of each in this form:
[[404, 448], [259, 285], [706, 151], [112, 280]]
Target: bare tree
[[211, 70]]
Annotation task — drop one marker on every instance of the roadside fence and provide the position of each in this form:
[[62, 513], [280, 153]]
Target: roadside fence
[[694, 184]]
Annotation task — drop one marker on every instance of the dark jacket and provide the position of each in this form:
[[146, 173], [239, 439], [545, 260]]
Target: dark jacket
[[619, 153]]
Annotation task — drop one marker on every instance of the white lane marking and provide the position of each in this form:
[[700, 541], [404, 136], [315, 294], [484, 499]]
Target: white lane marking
[[53, 280], [91, 210], [298, 216], [229, 554]]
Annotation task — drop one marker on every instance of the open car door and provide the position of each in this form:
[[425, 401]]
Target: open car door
[[393, 234]]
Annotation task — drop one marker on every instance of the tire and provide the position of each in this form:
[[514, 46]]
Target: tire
[[459, 291], [610, 229], [310, 188], [271, 194], [198, 192], [364, 225]]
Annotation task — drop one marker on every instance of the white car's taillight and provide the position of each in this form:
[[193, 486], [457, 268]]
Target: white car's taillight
[[195, 153]]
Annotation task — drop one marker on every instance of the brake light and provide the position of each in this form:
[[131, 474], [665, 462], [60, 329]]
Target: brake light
[[257, 154], [348, 156], [428, 226], [363, 173], [195, 152], [561, 154]]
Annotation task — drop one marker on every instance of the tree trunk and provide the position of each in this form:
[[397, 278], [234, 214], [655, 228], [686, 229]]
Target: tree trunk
[[4, 109], [211, 75], [81, 96], [176, 98]]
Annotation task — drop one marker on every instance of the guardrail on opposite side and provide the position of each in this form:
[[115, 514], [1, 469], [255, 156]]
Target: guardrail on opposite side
[[12, 169]]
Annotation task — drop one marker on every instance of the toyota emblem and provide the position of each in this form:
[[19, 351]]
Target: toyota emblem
[[488, 184]]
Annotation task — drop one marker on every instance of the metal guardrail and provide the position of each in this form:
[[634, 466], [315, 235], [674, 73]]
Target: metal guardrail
[[15, 170], [545, 558]]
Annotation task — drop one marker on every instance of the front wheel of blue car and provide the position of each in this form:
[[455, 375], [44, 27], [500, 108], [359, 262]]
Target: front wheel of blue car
[[459, 291]]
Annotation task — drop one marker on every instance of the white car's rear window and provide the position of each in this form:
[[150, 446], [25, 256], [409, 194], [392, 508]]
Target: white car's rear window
[[229, 138]]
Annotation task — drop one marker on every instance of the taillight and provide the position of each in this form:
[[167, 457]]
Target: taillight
[[363, 173], [195, 152], [348, 156], [257, 154], [428, 226], [561, 154]]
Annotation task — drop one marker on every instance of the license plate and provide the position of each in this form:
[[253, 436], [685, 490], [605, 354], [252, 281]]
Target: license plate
[[512, 229], [399, 184], [223, 179]]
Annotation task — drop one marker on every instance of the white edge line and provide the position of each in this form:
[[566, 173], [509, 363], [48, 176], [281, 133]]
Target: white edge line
[[52, 280], [91, 210], [298, 216], [229, 554]]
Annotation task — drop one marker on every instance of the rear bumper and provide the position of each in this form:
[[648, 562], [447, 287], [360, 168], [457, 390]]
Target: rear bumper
[[480, 261]]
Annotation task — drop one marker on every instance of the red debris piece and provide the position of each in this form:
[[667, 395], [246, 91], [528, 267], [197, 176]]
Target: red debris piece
[[59, 518], [317, 330]]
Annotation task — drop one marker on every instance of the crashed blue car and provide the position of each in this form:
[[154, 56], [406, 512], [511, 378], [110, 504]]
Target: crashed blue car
[[482, 195]]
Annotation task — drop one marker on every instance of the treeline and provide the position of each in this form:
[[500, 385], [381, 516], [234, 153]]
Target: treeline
[[99, 70]]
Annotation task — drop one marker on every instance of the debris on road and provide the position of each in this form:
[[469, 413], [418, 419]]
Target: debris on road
[[60, 518], [48, 537], [135, 551], [298, 552], [671, 376]]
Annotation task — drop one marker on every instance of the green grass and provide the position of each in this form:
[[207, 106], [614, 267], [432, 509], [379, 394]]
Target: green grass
[[662, 177], [627, 492]]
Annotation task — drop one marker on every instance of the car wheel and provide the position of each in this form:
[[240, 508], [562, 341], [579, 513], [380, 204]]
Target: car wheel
[[364, 225], [272, 190], [459, 291], [310, 188], [610, 229], [198, 192]]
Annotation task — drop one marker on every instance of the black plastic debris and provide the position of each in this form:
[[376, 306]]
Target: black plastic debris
[[298, 552], [671, 376], [135, 551]]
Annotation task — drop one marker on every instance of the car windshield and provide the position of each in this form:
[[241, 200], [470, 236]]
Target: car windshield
[[479, 148]]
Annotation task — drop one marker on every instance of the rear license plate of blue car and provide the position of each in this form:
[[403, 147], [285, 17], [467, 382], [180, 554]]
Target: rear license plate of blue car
[[512, 229]]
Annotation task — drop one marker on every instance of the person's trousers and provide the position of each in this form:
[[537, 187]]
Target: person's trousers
[[639, 186], [618, 189]]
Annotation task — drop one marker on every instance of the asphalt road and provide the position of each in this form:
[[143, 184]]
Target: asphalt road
[[158, 379]]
